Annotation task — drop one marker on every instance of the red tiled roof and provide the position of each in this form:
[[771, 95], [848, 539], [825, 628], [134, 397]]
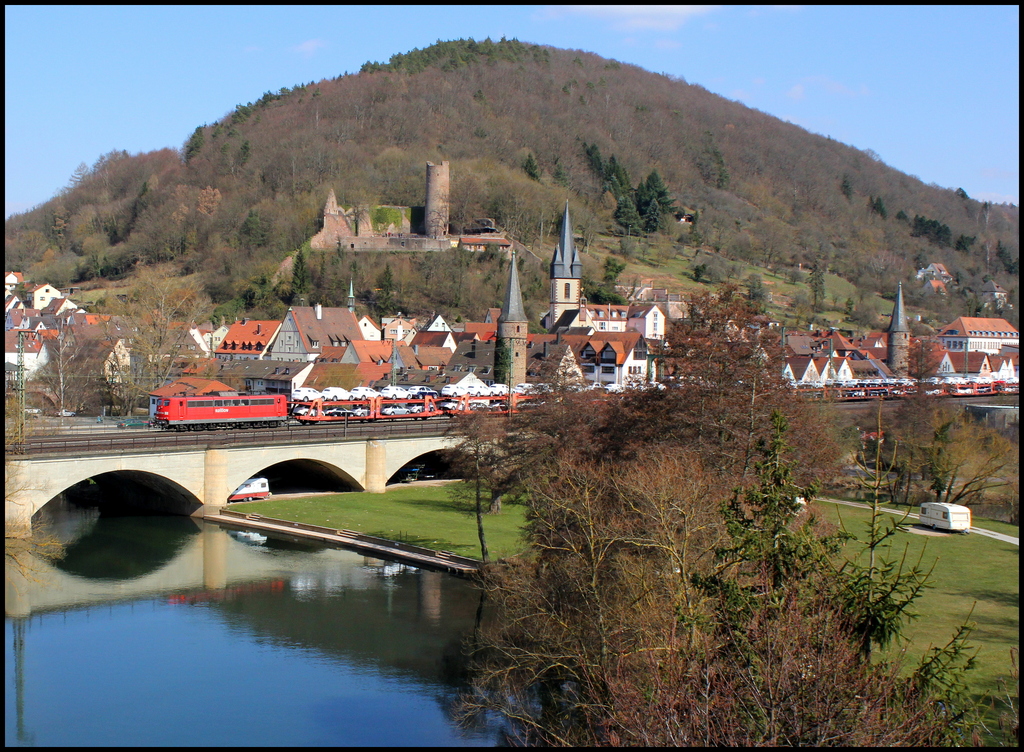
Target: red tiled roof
[[191, 386], [971, 325]]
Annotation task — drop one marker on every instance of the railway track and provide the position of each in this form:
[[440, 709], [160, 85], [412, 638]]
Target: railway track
[[158, 441]]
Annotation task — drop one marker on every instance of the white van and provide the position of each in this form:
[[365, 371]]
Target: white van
[[940, 516], [254, 488]]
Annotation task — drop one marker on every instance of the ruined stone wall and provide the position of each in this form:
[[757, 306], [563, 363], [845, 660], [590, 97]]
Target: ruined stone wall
[[393, 243], [336, 226]]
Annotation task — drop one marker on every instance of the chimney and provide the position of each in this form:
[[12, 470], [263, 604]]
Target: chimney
[[259, 328], [319, 311]]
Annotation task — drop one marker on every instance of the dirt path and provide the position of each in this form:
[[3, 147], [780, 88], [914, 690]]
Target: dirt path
[[413, 484]]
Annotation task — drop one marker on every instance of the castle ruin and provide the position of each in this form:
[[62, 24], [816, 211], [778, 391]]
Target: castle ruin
[[390, 228], [435, 214]]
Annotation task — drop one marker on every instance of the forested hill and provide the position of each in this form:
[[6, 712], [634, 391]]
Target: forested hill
[[524, 127]]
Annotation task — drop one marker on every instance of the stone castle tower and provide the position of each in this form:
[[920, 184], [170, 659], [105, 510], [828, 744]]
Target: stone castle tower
[[435, 213], [898, 348], [566, 271], [510, 350]]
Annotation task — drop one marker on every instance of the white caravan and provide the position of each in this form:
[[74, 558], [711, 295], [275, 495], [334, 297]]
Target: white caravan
[[940, 516]]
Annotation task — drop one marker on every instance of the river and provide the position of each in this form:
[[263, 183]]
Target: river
[[170, 631]]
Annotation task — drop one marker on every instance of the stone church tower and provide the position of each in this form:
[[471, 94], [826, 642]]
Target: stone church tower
[[510, 350], [566, 271], [898, 348]]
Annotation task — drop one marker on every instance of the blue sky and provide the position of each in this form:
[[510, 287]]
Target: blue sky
[[934, 91]]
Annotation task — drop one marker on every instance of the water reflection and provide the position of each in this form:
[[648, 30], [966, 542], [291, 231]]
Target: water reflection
[[235, 640]]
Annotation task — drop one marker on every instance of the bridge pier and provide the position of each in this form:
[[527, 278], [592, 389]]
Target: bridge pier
[[376, 478], [17, 521], [215, 482], [215, 556]]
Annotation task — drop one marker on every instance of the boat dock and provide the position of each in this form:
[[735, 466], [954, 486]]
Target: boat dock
[[406, 553]]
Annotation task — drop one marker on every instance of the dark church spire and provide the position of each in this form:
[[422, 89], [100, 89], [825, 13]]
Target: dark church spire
[[566, 262], [512, 309], [899, 318], [898, 348]]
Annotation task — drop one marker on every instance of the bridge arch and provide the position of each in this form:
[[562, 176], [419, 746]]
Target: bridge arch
[[303, 473], [35, 482], [138, 490], [402, 453]]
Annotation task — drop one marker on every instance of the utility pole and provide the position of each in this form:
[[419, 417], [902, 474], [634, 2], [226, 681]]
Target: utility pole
[[19, 424], [394, 361]]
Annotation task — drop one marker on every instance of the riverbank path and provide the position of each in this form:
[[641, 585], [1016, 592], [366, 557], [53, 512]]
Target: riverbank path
[[978, 530]]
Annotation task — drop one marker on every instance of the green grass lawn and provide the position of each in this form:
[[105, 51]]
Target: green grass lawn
[[422, 515], [970, 570]]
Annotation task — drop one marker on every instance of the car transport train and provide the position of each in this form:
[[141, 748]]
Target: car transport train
[[217, 412]]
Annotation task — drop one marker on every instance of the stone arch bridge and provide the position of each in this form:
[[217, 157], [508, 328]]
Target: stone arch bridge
[[196, 478]]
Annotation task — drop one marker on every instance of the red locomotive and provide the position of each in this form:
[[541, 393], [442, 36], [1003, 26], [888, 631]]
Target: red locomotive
[[217, 412]]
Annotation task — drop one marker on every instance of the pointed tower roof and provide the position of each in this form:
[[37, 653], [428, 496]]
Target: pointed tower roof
[[331, 207], [899, 318], [566, 262], [512, 309]]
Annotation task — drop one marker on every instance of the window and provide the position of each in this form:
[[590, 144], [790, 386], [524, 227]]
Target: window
[[607, 369], [567, 289]]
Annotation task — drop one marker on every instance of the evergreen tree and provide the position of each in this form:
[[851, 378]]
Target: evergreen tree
[[658, 191], [594, 159], [756, 292], [560, 176], [530, 167], [766, 552], [301, 280], [386, 292], [817, 285], [653, 216], [847, 187], [626, 214], [617, 178]]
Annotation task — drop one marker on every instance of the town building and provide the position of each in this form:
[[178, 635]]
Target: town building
[[247, 339], [307, 329], [993, 294], [935, 271], [13, 280], [41, 295], [975, 333], [265, 376]]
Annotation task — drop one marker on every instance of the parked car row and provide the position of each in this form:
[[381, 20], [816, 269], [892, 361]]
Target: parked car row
[[337, 394]]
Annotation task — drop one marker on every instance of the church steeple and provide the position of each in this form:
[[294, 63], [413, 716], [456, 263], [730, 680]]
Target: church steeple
[[566, 262], [510, 349], [351, 297], [897, 352], [566, 271], [899, 318], [512, 309]]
